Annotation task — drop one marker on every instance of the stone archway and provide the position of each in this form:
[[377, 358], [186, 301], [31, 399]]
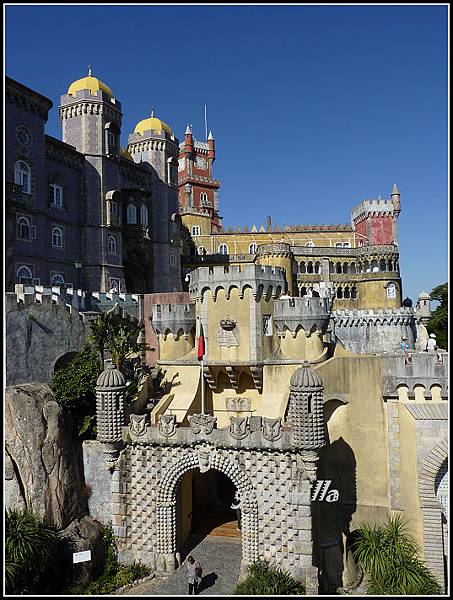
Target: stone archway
[[204, 457], [432, 510]]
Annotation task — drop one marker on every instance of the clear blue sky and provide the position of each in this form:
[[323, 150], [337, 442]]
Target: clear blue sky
[[313, 108]]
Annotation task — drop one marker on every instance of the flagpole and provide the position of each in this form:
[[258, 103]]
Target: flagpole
[[202, 388]]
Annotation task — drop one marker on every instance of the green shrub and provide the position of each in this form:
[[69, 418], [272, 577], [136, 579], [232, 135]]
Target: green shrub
[[30, 546], [74, 388], [388, 555], [263, 579], [115, 575]]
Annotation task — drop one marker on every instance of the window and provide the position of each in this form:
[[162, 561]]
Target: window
[[196, 230], [131, 214], [342, 245], [112, 247], [56, 195], [23, 136], [252, 248], [339, 292], [267, 324], [57, 279], [22, 176], [317, 267], [57, 237], [223, 249], [354, 292], [114, 285], [23, 228], [144, 215], [201, 250], [111, 142], [204, 199], [310, 244], [391, 290], [172, 260], [24, 275]]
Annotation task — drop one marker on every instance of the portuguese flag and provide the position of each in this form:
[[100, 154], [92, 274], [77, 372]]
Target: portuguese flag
[[201, 348]]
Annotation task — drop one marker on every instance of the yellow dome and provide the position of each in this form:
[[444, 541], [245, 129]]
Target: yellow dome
[[152, 123], [89, 83]]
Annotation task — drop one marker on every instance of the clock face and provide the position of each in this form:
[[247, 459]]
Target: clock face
[[201, 162], [23, 136]]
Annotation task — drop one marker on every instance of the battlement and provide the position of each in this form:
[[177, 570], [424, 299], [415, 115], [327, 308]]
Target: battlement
[[274, 249], [128, 305], [310, 313], [422, 369], [375, 331], [173, 318], [367, 207], [262, 280]]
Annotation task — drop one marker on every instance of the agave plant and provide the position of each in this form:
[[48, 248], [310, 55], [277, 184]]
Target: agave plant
[[388, 554]]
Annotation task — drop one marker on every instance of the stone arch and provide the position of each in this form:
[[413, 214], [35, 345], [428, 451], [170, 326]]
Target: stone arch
[[205, 458], [63, 360], [435, 464]]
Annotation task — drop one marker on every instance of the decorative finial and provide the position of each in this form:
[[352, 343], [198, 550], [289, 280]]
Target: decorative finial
[[188, 129], [210, 137], [395, 190], [152, 112], [89, 70]]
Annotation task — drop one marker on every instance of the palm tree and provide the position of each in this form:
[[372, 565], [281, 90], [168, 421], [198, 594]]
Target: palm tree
[[100, 330], [388, 555]]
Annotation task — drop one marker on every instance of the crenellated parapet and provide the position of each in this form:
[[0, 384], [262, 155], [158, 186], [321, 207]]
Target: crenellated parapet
[[280, 249], [372, 207], [312, 313], [261, 280], [423, 370], [375, 331], [173, 318]]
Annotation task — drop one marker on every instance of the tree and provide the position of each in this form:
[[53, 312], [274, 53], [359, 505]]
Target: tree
[[438, 323], [74, 387], [100, 330], [30, 546], [388, 555]]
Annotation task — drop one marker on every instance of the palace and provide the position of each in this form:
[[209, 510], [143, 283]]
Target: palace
[[303, 380]]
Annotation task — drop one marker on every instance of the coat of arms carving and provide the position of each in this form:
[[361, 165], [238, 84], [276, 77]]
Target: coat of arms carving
[[239, 427], [272, 429], [205, 456], [202, 423], [137, 425], [167, 425]]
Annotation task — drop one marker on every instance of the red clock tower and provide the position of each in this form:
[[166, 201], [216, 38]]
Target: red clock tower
[[198, 191]]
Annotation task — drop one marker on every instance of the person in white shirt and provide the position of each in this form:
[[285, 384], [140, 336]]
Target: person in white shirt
[[431, 344]]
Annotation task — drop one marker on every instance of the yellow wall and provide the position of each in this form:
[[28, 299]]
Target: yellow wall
[[174, 348], [301, 347], [372, 294]]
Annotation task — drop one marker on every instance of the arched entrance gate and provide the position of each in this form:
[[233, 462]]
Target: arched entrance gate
[[204, 458]]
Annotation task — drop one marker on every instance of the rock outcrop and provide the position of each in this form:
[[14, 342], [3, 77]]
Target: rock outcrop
[[43, 457]]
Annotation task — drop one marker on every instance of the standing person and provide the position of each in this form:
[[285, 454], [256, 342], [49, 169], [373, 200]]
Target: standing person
[[237, 507], [193, 574], [431, 344]]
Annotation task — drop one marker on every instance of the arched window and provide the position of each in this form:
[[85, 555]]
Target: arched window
[[310, 267], [201, 250], [391, 290], [57, 237], [345, 267], [223, 249], [111, 138], [374, 266], [56, 195], [302, 267], [204, 199], [57, 279], [317, 267], [352, 268], [354, 292], [196, 230], [252, 248], [22, 176], [390, 265], [23, 228], [23, 275], [143, 215], [131, 214], [383, 265], [112, 244], [310, 244], [339, 292], [338, 267], [303, 291], [347, 293]]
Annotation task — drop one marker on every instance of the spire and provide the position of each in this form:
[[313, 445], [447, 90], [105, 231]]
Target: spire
[[395, 191], [152, 112], [189, 130], [89, 70], [210, 136]]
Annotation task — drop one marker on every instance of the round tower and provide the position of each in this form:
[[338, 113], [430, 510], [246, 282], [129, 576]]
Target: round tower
[[277, 255]]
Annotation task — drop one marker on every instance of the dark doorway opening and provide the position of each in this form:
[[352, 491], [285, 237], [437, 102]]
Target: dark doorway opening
[[204, 509]]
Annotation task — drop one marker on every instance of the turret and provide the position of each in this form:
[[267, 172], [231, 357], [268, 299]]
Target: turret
[[188, 141], [396, 200], [211, 146]]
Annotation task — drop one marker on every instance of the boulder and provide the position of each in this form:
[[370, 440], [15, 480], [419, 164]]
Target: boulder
[[44, 456], [81, 535]]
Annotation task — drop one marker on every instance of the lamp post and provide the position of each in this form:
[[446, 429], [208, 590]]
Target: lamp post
[[78, 265]]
